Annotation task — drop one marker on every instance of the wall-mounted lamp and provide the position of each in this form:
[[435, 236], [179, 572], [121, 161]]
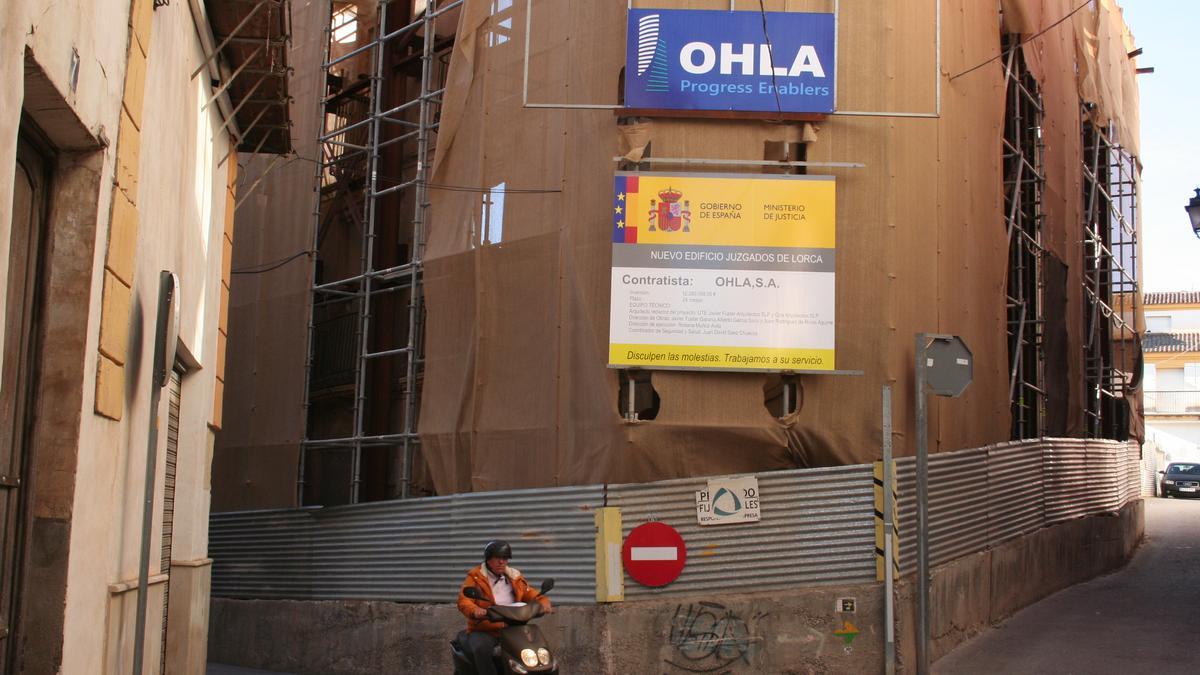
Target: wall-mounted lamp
[[1193, 211]]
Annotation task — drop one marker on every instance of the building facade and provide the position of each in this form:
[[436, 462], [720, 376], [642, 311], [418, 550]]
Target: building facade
[[986, 171], [1172, 372], [119, 139]]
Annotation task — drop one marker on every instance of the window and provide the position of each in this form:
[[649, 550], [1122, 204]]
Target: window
[[502, 24], [492, 216], [1158, 324], [1191, 376], [344, 24]]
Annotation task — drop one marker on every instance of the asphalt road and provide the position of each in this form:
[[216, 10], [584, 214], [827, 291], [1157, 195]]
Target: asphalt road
[[1144, 618]]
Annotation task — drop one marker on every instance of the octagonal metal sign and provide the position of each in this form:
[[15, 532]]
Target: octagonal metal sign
[[948, 365]]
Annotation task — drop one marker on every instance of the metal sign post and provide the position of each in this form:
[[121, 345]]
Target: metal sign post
[[944, 363], [166, 334]]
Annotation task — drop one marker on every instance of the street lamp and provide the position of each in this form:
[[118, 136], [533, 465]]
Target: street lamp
[[1193, 210]]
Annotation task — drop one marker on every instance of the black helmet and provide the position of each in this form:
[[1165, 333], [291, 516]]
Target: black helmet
[[497, 549]]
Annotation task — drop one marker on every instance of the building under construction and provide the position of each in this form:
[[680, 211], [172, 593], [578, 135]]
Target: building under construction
[[447, 330], [516, 293]]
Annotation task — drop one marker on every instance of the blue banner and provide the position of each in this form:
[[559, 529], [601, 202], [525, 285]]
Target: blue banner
[[718, 60]]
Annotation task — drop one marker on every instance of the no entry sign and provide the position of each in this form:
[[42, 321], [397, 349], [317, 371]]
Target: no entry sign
[[654, 554]]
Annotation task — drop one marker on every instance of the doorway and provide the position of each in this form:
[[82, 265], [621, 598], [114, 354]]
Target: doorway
[[19, 365]]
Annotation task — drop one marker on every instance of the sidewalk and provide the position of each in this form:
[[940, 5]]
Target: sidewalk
[[1140, 619], [222, 669]]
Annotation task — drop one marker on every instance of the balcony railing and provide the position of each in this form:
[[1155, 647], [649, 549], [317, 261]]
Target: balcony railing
[[1172, 402]]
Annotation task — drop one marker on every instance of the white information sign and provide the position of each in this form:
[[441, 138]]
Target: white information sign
[[729, 500], [723, 272]]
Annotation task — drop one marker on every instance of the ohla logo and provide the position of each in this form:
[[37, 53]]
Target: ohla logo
[[699, 58], [702, 58], [670, 215]]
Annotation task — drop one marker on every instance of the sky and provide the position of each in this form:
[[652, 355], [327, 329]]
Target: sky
[[1169, 33]]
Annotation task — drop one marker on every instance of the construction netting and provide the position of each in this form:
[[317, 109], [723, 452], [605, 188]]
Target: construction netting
[[517, 392]]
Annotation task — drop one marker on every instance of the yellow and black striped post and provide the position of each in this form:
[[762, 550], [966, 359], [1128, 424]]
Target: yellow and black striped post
[[881, 524]]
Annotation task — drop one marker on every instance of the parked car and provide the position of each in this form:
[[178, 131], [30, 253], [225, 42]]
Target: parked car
[[1181, 479]]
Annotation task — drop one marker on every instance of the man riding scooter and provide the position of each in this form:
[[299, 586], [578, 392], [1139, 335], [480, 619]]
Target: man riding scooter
[[495, 583]]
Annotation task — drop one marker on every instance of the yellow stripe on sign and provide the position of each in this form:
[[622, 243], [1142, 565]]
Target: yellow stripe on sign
[[732, 211], [754, 358]]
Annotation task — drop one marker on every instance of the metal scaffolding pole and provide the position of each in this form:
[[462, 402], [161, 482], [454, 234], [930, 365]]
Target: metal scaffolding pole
[[1024, 184], [360, 122], [1110, 289]]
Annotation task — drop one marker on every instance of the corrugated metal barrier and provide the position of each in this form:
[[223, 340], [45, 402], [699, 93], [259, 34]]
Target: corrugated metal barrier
[[1149, 472], [817, 526], [411, 551], [979, 498]]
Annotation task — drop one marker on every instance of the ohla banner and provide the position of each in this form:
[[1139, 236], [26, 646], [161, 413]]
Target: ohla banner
[[722, 272], [719, 60]]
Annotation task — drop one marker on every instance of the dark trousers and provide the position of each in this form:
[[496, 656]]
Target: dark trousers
[[481, 645]]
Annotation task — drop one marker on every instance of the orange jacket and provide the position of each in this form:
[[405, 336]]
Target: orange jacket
[[478, 578]]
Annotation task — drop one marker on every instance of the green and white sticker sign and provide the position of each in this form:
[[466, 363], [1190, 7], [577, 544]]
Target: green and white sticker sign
[[728, 501]]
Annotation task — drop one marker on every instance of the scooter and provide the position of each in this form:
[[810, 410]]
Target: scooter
[[521, 648]]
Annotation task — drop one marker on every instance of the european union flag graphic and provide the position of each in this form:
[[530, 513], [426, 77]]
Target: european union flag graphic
[[624, 231]]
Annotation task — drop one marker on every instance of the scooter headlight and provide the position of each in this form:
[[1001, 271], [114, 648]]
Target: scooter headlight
[[543, 655], [529, 658]]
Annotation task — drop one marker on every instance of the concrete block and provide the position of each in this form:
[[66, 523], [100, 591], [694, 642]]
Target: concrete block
[[232, 172], [218, 404], [222, 343], [187, 620], [114, 319], [226, 260], [141, 19], [960, 602], [135, 85], [110, 388], [129, 150], [230, 203], [122, 238], [223, 315]]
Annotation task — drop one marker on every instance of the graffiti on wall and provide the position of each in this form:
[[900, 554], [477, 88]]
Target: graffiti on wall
[[707, 637]]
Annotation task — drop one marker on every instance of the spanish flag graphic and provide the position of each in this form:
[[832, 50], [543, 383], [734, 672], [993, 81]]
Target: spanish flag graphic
[[624, 201]]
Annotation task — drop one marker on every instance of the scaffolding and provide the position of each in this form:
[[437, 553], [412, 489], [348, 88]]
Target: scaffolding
[[1024, 184], [1110, 287], [380, 104]]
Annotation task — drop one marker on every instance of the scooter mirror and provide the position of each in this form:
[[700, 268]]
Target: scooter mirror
[[473, 593], [547, 586]]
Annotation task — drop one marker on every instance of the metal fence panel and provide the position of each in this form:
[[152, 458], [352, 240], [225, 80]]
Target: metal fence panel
[[817, 527], [1105, 473], [979, 498], [1015, 491], [412, 551], [958, 504], [906, 513], [1149, 475], [261, 554], [1066, 471]]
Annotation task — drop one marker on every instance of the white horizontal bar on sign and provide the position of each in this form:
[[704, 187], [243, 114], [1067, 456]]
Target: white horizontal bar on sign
[[653, 553]]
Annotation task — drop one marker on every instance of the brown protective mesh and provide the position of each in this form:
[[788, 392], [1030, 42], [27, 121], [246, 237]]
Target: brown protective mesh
[[517, 392]]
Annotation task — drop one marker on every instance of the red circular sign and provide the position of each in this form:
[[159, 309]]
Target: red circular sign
[[654, 554]]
